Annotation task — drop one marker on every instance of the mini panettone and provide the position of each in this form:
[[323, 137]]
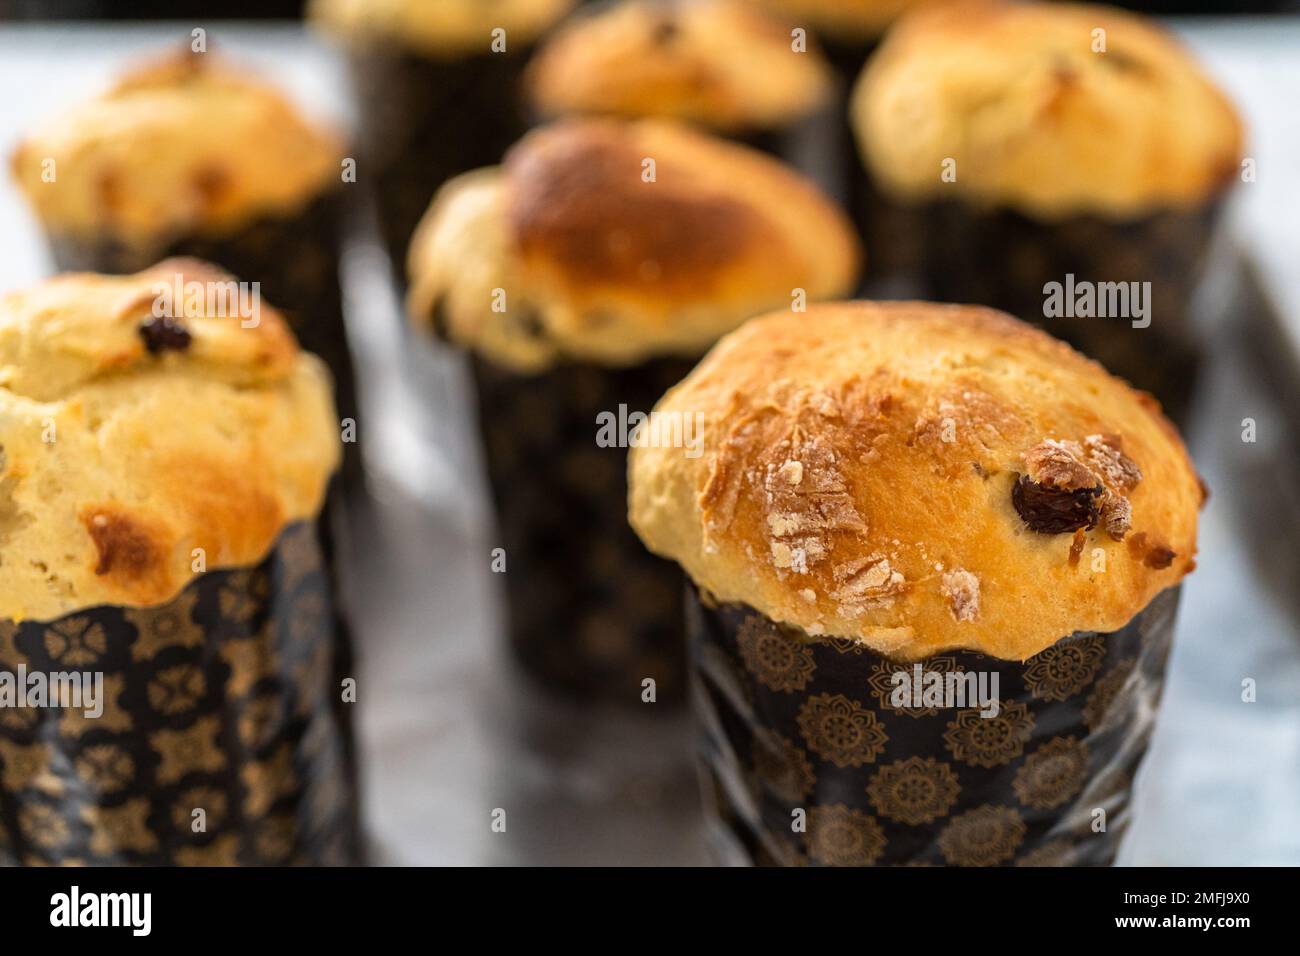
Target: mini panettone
[[919, 478], [1050, 109], [447, 28], [186, 145], [719, 63], [129, 438], [615, 242], [845, 21]]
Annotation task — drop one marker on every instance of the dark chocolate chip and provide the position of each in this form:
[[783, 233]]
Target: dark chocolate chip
[[162, 334], [1050, 510]]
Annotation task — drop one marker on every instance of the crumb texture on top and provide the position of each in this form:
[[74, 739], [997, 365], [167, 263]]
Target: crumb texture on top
[[186, 143], [130, 438], [720, 63], [613, 242], [1050, 109], [919, 477]]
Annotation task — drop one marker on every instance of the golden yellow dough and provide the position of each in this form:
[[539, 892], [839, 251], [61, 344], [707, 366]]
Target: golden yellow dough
[[116, 463], [856, 480]]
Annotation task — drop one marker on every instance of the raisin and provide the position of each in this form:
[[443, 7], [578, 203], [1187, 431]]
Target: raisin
[[1050, 510], [665, 29], [164, 334]]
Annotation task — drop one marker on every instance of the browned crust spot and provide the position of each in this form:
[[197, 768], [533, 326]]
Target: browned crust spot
[[125, 547], [581, 203]]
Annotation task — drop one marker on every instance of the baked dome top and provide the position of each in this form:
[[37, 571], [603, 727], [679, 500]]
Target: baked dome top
[[137, 425], [919, 477]]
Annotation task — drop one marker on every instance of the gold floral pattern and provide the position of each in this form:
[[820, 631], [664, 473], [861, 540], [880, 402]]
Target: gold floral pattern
[[106, 767], [75, 642], [9, 652], [1098, 712], [307, 622], [43, 826], [122, 828], [299, 555], [1055, 853], [174, 690], [1065, 668], [915, 791], [775, 659], [194, 691], [782, 766], [990, 741], [193, 750], [223, 851], [267, 780], [881, 683], [168, 625], [28, 767], [841, 730], [250, 661], [841, 836], [260, 721], [847, 645], [943, 787], [311, 676], [275, 838], [19, 718], [985, 836], [1052, 774], [243, 597], [73, 721], [208, 799]]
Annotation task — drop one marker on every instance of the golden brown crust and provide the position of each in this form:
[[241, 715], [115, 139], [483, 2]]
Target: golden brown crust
[[1037, 118], [118, 462], [844, 21], [719, 63], [439, 28], [597, 261], [184, 144], [858, 471]]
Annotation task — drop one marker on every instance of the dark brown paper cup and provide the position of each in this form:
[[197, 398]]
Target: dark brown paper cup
[[224, 700], [424, 121], [798, 731], [1004, 259], [296, 261], [591, 613]]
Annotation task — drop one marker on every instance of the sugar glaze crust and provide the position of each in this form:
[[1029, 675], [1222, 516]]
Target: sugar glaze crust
[[1037, 120], [857, 477], [117, 461], [184, 143], [598, 264], [720, 63]]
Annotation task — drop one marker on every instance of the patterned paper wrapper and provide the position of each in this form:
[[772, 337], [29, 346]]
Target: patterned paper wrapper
[[295, 259], [591, 612], [225, 699], [791, 723], [424, 121], [1004, 259]]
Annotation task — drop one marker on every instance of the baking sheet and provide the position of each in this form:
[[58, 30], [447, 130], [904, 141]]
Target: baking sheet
[[449, 733]]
